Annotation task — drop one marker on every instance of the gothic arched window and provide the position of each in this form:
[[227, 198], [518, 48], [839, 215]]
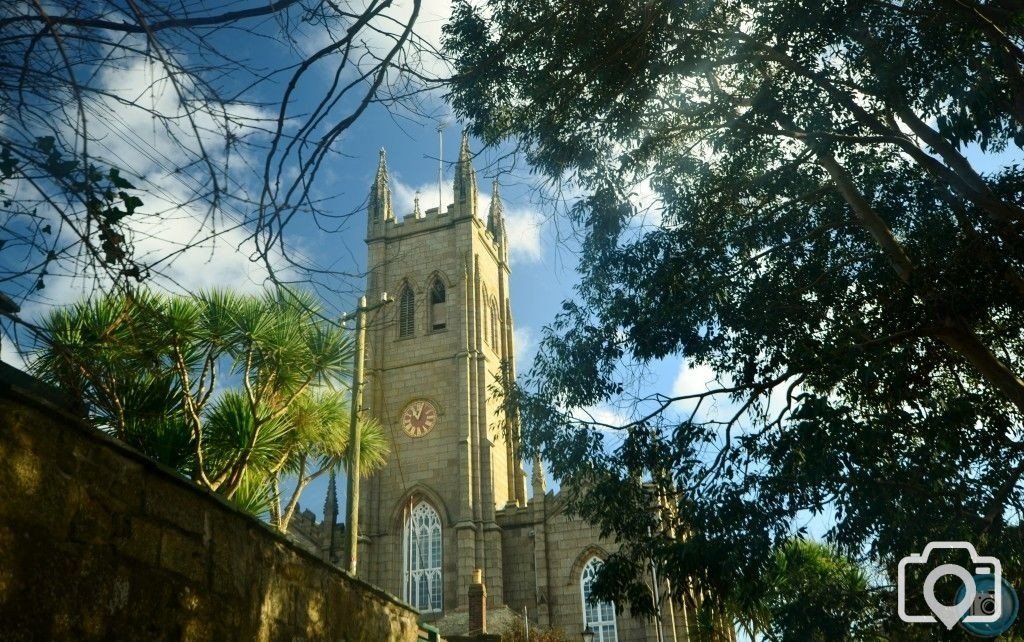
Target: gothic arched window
[[423, 558], [599, 616], [406, 312], [485, 317], [494, 325], [438, 314]]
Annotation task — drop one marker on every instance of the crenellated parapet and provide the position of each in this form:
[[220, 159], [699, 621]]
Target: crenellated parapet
[[383, 223]]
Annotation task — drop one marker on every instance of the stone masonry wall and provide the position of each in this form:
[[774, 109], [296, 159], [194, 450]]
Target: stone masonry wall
[[99, 543]]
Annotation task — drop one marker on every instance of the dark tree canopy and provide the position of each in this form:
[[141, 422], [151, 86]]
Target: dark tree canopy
[[840, 237]]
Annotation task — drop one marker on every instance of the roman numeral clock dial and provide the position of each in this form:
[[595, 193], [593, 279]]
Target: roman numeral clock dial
[[419, 418]]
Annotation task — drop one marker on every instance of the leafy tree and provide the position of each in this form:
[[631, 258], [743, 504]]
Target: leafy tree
[[838, 237], [151, 370]]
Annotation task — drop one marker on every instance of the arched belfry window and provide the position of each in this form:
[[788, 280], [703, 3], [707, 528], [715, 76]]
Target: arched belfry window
[[406, 312], [423, 558], [599, 616], [438, 312]]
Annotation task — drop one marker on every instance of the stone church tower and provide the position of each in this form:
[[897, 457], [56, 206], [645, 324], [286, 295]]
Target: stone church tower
[[433, 360], [448, 517]]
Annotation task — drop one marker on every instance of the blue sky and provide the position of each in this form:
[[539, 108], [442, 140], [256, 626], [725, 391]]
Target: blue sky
[[543, 261]]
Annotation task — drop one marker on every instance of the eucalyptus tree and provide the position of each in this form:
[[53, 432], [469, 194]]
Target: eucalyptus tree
[[838, 237], [235, 391]]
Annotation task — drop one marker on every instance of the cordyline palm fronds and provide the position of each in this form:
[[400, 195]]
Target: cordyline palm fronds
[[320, 435], [147, 368]]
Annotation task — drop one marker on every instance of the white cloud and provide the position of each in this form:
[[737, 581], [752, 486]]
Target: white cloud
[[701, 378], [403, 195], [124, 130], [777, 398], [421, 52], [206, 260], [209, 248], [526, 346], [693, 380], [379, 37], [605, 416], [188, 246], [649, 205], [523, 228], [9, 354]]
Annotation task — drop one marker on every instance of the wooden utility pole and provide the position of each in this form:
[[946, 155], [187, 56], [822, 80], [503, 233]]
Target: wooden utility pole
[[352, 492]]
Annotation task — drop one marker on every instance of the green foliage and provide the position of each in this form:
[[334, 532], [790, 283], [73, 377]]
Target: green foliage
[[809, 592], [254, 496], [105, 197], [233, 429], [235, 391], [822, 243]]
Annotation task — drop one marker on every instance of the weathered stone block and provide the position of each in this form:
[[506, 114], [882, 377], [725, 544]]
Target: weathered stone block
[[184, 553], [142, 542], [163, 501]]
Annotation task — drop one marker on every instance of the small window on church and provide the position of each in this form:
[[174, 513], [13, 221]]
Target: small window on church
[[407, 313], [423, 559], [599, 616], [438, 314]]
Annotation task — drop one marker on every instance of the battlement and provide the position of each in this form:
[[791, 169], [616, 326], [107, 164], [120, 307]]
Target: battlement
[[382, 223], [323, 539]]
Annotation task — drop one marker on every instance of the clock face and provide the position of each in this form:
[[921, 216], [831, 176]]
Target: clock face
[[419, 418]]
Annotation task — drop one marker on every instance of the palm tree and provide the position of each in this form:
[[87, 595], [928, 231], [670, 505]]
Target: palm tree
[[234, 391], [808, 592], [316, 443]]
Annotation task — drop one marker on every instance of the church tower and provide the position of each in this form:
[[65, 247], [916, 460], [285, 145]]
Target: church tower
[[434, 359]]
